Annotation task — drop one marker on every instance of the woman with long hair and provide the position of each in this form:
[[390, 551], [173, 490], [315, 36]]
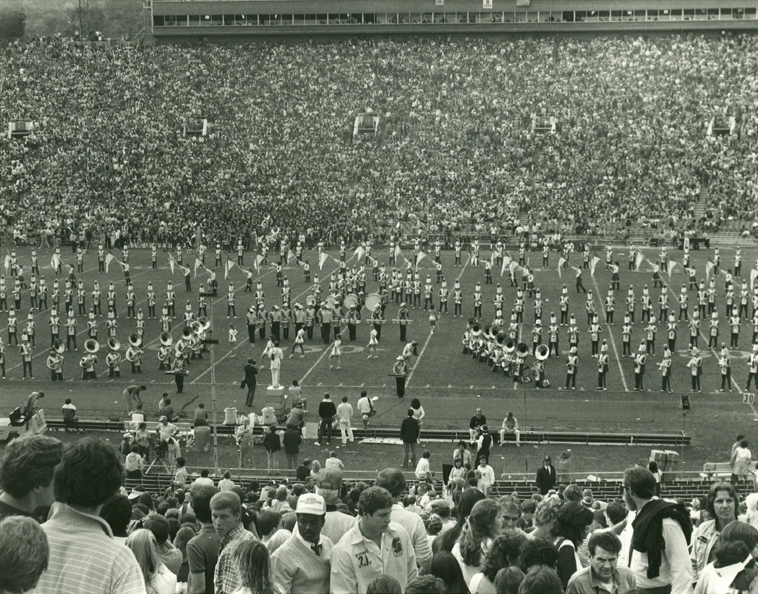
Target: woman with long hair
[[722, 503], [505, 552], [445, 567], [158, 579], [570, 528], [544, 518], [253, 563], [183, 536], [446, 541], [476, 538]]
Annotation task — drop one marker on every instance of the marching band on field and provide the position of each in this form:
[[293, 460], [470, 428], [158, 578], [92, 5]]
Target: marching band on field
[[500, 343]]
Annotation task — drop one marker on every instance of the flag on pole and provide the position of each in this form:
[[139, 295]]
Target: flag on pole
[[359, 251], [198, 264], [258, 260], [171, 263], [506, 262], [513, 266], [421, 255], [322, 257], [108, 259], [70, 268], [56, 261], [753, 274], [708, 268], [640, 258], [672, 265], [227, 267], [593, 262], [408, 264], [7, 262], [561, 262], [398, 253]]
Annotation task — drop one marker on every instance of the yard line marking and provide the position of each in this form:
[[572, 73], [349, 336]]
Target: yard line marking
[[613, 340], [421, 354]]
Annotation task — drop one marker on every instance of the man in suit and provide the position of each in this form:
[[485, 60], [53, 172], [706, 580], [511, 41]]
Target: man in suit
[[545, 476], [251, 371], [409, 430]]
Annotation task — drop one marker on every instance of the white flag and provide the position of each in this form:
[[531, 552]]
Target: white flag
[[672, 265], [561, 262], [108, 259], [640, 258], [708, 268], [55, 262], [419, 257], [593, 262], [398, 253], [198, 264], [359, 251], [322, 257], [171, 263], [227, 267], [753, 274], [258, 260]]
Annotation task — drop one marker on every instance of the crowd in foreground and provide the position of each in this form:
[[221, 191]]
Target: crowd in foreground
[[109, 153], [68, 525]]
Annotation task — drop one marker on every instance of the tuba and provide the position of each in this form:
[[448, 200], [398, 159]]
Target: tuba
[[522, 350], [54, 361], [501, 338], [114, 344], [91, 346], [509, 346], [476, 330], [542, 353], [166, 339], [135, 340]]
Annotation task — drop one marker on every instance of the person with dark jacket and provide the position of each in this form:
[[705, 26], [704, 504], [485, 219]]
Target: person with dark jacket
[[273, 444], [251, 372], [326, 412], [292, 440], [409, 430], [545, 476]]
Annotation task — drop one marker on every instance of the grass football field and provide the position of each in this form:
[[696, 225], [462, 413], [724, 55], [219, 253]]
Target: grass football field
[[449, 384]]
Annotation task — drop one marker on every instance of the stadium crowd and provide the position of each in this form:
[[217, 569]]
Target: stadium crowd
[[68, 525], [457, 144]]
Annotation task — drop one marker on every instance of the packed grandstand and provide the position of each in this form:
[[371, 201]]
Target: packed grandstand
[[457, 151]]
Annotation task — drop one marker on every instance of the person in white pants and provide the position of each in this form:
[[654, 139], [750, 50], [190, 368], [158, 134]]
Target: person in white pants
[[510, 427], [345, 416]]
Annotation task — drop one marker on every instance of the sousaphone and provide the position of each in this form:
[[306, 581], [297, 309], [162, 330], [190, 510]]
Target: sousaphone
[[166, 339], [509, 346], [91, 345], [522, 349], [310, 300], [135, 340], [114, 344], [476, 330], [542, 352]]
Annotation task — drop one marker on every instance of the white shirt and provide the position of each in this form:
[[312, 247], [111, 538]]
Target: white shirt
[[422, 468], [345, 412], [487, 475], [357, 561]]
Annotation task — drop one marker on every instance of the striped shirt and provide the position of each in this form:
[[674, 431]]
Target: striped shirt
[[85, 558]]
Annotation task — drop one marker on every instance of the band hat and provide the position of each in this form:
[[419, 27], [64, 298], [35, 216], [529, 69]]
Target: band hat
[[399, 357], [311, 503]]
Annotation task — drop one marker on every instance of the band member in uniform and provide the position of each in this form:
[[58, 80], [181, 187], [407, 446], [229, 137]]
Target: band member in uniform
[[377, 319], [400, 371], [2, 360], [640, 359], [373, 341], [71, 330], [696, 368], [25, 349], [54, 322], [752, 368], [403, 317], [113, 361], [725, 365], [179, 371], [87, 364], [572, 363], [55, 365], [352, 318]]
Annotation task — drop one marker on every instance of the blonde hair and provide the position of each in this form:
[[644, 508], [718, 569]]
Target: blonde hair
[[145, 548]]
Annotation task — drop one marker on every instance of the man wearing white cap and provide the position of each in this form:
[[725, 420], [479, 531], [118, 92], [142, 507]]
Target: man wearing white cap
[[302, 564], [400, 371]]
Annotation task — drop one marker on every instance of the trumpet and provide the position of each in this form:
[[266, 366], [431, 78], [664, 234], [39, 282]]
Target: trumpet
[[664, 364]]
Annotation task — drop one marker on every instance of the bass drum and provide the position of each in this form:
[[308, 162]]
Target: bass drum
[[372, 301], [350, 301]]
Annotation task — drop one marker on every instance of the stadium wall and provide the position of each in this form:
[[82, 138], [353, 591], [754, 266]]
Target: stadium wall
[[265, 18]]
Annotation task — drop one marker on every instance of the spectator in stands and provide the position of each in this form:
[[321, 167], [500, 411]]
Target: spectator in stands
[[157, 577], [202, 550], [603, 570], [477, 536], [656, 566], [26, 475], [166, 410], [302, 564], [734, 570], [505, 551], [545, 518], [465, 504], [182, 538], [334, 463], [741, 462], [200, 416], [226, 510], [721, 503], [133, 464], [527, 514], [269, 522], [541, 580], [446, 567], [355, 563], [303, 471], [168, 554], [24, 554], [117, 511], [462, 454], [291, 441], [384, 584], [226, 483], [393, 480], [204, 480], [423, 470], [508, 580], [252, 563], [571, 526], [485, 475], [336, 523], [425, 584], [538, 551], [88, 475], [181, 475]]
